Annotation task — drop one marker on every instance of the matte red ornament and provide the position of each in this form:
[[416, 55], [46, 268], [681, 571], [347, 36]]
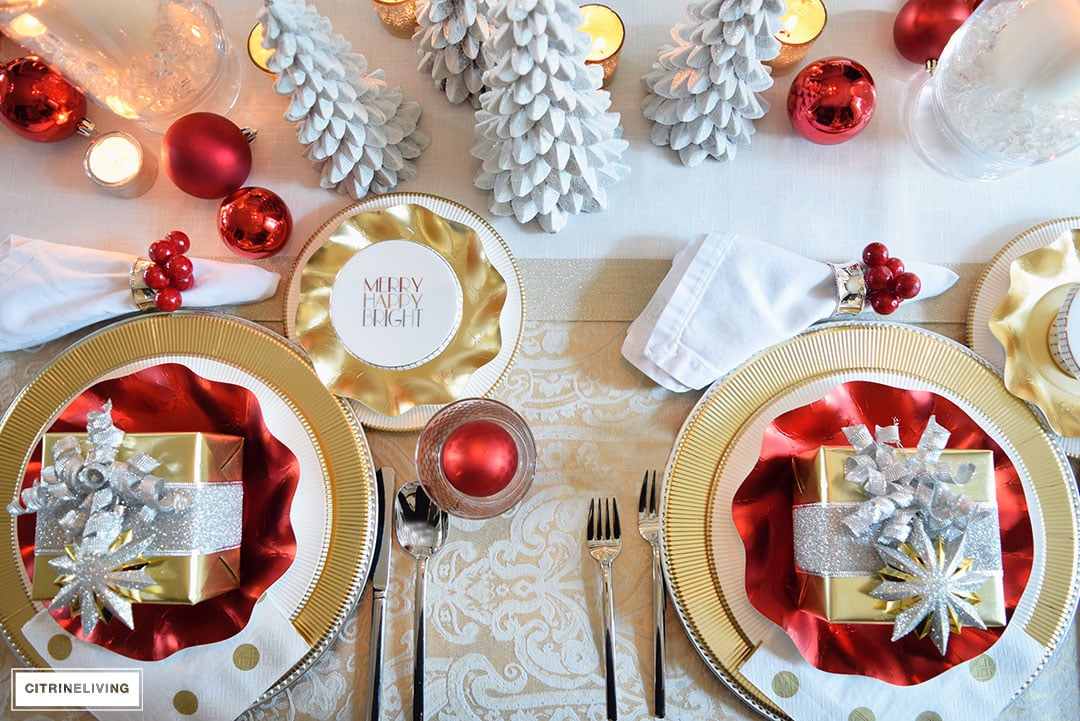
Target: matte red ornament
[[254, 222], [923, 27], [206, 155], [831, 100], [479, 458], [37, 103]]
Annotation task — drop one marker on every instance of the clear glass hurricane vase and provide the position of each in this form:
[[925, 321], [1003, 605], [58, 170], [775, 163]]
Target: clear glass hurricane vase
[[149, 60], [1005, 94]]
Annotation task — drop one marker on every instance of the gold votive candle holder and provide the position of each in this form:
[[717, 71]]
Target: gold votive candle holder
[[800, 26], [116, 163], [607, 31], [398, 16], [259, 55]]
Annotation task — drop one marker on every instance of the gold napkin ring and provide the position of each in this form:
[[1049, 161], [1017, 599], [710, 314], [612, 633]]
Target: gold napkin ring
[[850, 287], [142, 294]]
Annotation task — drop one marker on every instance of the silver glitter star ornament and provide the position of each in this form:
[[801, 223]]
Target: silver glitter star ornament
[[106, 571], [930, 582]]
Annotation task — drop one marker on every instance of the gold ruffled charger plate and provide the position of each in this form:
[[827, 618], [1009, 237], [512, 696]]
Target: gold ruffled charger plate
[[332, 514], [406, 302], [718, 447], [1041, 382]]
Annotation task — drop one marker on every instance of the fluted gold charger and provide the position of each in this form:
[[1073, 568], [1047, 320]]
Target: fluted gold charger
[[470, 362], [336, 518], [701, 544]]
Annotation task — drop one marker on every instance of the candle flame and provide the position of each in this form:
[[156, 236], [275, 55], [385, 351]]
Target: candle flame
[[789, 25], [27, 26]]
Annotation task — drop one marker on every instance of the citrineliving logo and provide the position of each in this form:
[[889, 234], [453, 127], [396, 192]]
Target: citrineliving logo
[[88, 688]]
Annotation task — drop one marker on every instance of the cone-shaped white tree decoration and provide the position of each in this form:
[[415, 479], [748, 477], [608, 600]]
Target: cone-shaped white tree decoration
[[363, 135], [549, 146], [702, 94], [451, 37]]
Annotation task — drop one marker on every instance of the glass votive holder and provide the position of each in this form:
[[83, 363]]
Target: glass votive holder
[[116, 163], [476, 458], [259, 55], [607, 31], [398, 16], [800, 26]]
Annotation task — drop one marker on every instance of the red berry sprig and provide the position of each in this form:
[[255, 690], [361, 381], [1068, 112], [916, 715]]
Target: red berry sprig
[[887, 280], [172, 271]]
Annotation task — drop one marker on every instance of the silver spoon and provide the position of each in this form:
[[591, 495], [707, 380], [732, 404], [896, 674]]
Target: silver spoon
[[421, 528]]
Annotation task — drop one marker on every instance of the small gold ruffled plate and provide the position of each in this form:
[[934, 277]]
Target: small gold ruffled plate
[[720, 442], [406, 302], [1039, 280], [993, 285]]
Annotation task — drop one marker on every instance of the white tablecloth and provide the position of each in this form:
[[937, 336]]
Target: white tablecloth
[[823, 201]]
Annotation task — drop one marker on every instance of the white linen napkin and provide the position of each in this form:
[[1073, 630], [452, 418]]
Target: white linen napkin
[[727, 297], [48, 290]]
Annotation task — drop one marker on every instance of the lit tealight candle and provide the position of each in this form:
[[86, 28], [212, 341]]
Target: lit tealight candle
[[800, 26], [258, 54], [116, 162], [605, 27], [399, 16]]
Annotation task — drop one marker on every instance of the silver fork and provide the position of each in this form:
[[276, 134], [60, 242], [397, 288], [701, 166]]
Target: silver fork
[[605, 542], [649, 528]]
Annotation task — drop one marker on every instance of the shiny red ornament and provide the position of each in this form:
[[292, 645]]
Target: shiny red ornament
[[254, 222], [206, 155], [479, 458], [831, 100], [923, 27], [37, 103]]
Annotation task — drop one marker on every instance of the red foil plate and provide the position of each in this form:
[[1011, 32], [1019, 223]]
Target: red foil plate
[[170, 398], [762, 513]]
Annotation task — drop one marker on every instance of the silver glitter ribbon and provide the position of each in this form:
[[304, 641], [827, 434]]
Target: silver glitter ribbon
[[901, 487]]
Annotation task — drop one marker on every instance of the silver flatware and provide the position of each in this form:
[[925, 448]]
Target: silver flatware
[[421, 528], [380, 579], [649, 528], [604, 539]]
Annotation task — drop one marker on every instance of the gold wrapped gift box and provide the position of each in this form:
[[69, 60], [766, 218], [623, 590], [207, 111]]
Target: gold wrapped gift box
[[195, 554], [843, 594]]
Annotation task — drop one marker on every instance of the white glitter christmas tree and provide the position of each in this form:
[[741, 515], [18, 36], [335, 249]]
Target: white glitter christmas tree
[[451, 37], [549, 146], [361, 133], [702, 94]]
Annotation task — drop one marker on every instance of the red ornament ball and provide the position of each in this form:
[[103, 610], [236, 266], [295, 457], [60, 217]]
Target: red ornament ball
[[479, 458], [831, 100], [254, 222], [37, 103], [206, 155], [923, 27]]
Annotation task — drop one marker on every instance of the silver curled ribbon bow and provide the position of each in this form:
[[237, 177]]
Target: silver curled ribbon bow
[[82, 482], [902, 486], [101, 505]]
